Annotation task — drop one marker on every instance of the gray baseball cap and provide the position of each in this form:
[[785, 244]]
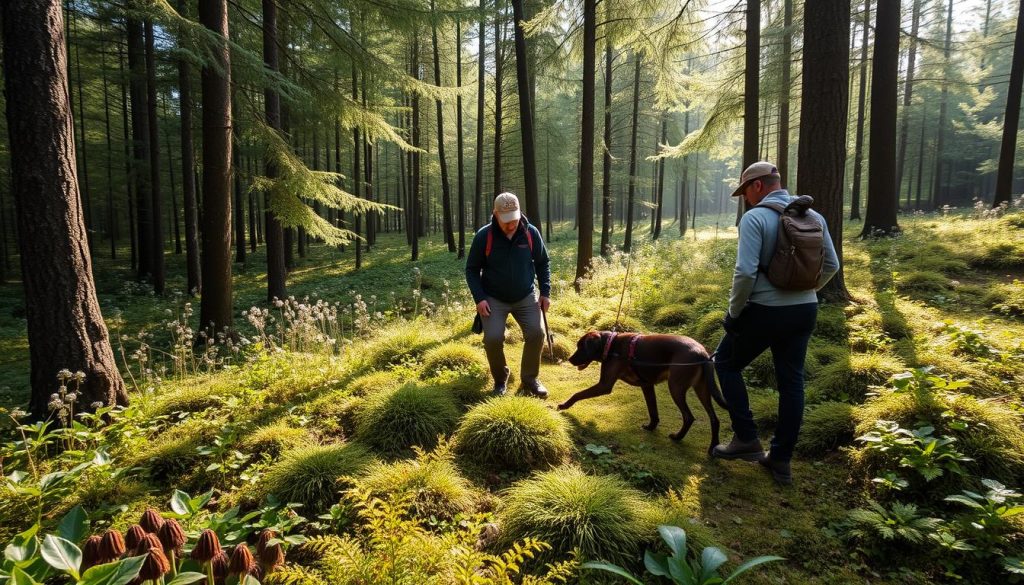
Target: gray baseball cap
[[758, 170], [506, 206]]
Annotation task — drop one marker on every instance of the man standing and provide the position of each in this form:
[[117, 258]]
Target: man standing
[[764, 315], [505, 258]]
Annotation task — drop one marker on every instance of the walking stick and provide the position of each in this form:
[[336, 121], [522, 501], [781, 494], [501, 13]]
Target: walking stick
[[547, 333]]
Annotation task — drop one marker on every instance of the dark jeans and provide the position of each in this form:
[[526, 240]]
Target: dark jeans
[[786, 331]]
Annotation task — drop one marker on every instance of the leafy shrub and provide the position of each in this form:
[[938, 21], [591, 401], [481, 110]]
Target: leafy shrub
[[397, 345], [878, 528], [433, 485], [513, 432], [826, 427], [274, 438], [599, 515], [988, 521], [680, 569], [393, 422], [849, 381], [312, 475], [919, 449]]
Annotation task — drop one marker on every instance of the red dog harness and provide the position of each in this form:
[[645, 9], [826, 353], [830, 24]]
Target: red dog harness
[[632, 346]]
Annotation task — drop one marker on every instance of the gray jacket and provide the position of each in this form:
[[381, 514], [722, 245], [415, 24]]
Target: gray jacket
[[759, 228]]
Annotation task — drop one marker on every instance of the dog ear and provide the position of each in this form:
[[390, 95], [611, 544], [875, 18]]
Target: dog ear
[[595, 345]]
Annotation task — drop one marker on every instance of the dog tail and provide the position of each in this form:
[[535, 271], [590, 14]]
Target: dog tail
[[709, 379]]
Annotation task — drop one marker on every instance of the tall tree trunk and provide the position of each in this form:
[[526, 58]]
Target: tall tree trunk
[[156, 204], [627, 246], [458, 144], [174, 190], [880, 216], [111, 215], [414, 193], [606, 149], [371, 217], [821, 160], [478, 195], [216, 308], [193, 280], [238, 208], [126, 141], [85, 192], [684, 192], [140, 148], [940, 131], [277, 273], [526, 115], [65, 325], [357, 189], [751, 90], [908, 91], [1008, 147], [499, 37], [446, 191], [585, 196], [787, 67], [858, 155], [659, 199]]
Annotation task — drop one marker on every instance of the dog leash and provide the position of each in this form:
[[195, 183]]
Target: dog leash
[[622, 295]]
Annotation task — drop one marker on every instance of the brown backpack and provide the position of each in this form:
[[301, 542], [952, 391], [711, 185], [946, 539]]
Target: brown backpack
[[799, 248]]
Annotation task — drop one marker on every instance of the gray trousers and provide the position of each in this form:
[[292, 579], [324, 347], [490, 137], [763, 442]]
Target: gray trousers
[[526, 312]]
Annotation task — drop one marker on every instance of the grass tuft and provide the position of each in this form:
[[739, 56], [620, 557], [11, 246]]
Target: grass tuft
[[431, 481], [849, 381], [312, 475], [275, 438], [826, 427], [405, 342], [513, 432], [393, 422]]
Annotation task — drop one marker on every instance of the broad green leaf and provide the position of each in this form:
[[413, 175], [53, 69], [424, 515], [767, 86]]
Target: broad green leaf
[[74, 525], [656, 564], [19, 577], [24, 546], [710, 560], [680, 570], [116, 573], [964, 500], [675, 538], [61, 554], [189, 577], [614, 569], [180, 503], [746, 566]]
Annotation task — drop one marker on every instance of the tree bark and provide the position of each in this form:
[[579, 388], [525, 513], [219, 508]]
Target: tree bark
[[880, 216], [659, 199], [140, 148], [478, 195], [499, 37], [1008, 146], [415, 201], [937, 185], [65, 325], [751, 90], [585, 196], [356, 170], [446, 190], [787, 67], [908, 91], [216, 307], [126, 140], [156, 204], [111, 215], [459, 143], [821, 160], [188, 181], [526, 115], [858, 156], [627, 245], [277, 273], [606, 150]]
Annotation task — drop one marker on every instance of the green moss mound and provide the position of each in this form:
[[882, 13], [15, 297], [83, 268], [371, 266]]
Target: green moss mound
[[513, 432], [393, 422], [334, 412], [458, 367], [761, 371], [708, 328], [849, 381], [826, 427], [275, 438], [398, 345], [605, 321], [433, 484], [672, 315], [922, 281], [312, 475], [196, 396], [374, 382], [599, 515]]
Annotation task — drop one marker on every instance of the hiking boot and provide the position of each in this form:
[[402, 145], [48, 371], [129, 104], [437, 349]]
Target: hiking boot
[[737, 449], [501, 386], [537, 391], [779, 469]]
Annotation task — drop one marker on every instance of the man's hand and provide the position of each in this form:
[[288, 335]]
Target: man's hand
[[729, 324], [483, 308], [544, 303]]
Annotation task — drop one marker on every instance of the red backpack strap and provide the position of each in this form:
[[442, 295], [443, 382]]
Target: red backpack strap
[[490, 242], [529, 238]]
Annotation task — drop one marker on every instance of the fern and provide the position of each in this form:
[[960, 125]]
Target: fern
[[294, 575]]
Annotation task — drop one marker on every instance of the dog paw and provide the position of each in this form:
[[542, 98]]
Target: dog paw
[[676, 436], [650, 426], [564, 406]]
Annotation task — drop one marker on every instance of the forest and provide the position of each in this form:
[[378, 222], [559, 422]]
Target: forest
[[237, 342]]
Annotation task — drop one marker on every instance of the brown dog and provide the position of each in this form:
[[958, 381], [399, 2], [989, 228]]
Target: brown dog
[[646, 360]]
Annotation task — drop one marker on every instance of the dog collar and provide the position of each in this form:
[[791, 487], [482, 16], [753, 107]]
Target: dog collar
[[608, 346]]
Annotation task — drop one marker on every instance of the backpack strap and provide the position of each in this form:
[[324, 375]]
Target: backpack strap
[[776, 207], [490, 240]]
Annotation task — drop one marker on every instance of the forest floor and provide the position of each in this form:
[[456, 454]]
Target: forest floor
[[946, 294]]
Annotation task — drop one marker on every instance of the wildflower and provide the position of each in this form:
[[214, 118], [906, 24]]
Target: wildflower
[[71, 397], [95, 405], [64, 374]]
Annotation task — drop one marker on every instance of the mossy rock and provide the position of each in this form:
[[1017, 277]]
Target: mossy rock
[[412, 415], [314, 475], [849, 381], [434, 485], [673, 315], [600, 516], [374, 382], [274, 438], [826, 427], [513, 432], [398, 345]]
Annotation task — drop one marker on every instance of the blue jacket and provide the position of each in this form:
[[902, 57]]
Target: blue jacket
[[509, 272], [759, 228]]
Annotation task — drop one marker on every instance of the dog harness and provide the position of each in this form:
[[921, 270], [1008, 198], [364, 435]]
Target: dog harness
[[631, 352]]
